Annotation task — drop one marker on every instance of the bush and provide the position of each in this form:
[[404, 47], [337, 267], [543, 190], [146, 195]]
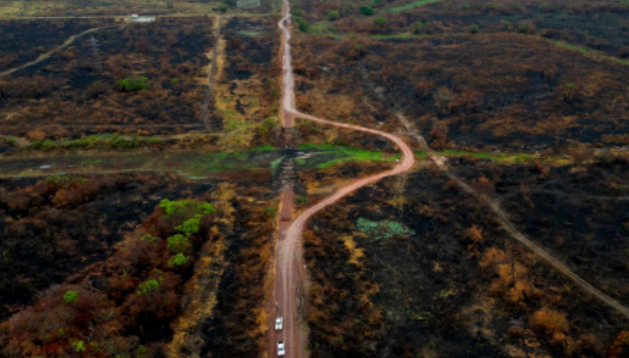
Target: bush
[[418, 27], [333, 15], [383, 230], [71, 297], [304, 26], [367, 10], [474, 29], [177, 260], [45, 145], [190, 226], [526, 27], [381, 20], [184, 207], [133, 84], [178, 243], [147, 287]]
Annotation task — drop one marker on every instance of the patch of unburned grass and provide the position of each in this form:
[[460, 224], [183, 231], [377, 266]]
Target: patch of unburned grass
[[587, 51], [349, 154], [506, 158], [413, 4]]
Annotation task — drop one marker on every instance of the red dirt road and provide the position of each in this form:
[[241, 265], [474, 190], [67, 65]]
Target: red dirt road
[[290, 285]]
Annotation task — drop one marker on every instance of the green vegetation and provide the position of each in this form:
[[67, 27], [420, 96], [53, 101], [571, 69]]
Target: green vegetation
[[383, 230], [412, 5], [497, 157], [192, 225], [366, 10], [271, 211], [71, 297], [79, 346], [102, 141], [178, 243], [333, 15], [381, 20], [134, 84], [350, 154], [178, 260], [185, 208], [147, 287], [587, 51], [304, 26], [276, 163]]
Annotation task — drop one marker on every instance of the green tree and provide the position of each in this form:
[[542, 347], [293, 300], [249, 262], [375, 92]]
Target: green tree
[[304, 26], [333, 15], [367, 10], [71, 297], [190, 226], [474, 29], [418, 27], [177, 260], [381, 20], [79, 346], [178, 243], [147, 287]]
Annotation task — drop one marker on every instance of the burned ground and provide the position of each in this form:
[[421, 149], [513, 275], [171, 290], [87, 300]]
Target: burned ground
[[580, 213], [455, 285], [55, 227], [78, 87], [25, 40], [531, 97]]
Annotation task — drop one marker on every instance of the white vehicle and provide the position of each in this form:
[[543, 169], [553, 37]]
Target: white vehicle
[[280, 349], [279, 323]]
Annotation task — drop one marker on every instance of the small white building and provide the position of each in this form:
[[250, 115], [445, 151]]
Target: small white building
[[138, 18]]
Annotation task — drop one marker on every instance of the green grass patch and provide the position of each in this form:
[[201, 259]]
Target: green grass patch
[[413, 4], [571, 46], [497, 157], [92, 161], [588, 51], [405, 35], [348, 153]]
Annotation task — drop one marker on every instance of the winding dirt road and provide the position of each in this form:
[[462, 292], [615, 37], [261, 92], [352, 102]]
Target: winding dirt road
[[290, 274]]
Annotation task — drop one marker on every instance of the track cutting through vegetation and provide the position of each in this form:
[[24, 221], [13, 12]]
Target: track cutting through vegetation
[[47, 55], [290, 256]]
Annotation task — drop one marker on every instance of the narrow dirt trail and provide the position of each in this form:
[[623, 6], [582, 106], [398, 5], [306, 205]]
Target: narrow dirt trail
[[210, 85], [47, 55], [512, 230], [504, 218], [290, 276]]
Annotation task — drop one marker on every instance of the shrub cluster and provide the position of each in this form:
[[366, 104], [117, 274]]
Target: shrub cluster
[[133, 299]]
